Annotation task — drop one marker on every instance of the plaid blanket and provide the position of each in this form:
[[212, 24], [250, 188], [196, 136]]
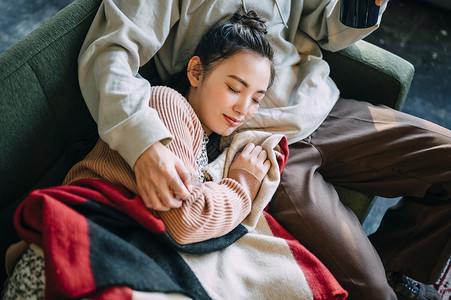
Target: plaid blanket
[[101, 242]]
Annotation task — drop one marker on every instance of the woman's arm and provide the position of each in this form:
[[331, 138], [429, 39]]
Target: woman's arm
[[213, 209]]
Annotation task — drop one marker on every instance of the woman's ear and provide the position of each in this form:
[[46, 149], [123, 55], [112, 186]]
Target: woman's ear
[[195, 71]]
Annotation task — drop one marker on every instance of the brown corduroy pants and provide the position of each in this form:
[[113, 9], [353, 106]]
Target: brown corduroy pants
[[376, 150]]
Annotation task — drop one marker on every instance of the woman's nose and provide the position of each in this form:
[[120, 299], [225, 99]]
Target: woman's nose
[[242, 106]]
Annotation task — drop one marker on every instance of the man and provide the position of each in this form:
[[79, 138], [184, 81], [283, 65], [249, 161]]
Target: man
[[332, 140]]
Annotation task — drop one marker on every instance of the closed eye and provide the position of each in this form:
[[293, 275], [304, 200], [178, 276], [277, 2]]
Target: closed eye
[[233, 90]]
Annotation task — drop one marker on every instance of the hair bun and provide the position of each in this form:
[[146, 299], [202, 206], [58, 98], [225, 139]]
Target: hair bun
[[249, 19]]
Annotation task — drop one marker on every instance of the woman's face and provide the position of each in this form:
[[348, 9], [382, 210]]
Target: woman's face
[[230, 94]]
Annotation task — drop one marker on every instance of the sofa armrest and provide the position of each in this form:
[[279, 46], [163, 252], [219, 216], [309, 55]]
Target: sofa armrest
[[367, 72]]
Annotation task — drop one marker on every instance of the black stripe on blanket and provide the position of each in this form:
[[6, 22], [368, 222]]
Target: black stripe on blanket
[[122, 253]]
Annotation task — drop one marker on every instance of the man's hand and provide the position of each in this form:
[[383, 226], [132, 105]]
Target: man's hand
[[379, 2], [161, 177]]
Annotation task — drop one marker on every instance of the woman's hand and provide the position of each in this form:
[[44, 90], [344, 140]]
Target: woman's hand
[[254, 159], [161, 178], [379, 2]]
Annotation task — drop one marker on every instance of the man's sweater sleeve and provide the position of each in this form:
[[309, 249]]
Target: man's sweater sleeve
[[123, 37], [213, 209], [320, 20]]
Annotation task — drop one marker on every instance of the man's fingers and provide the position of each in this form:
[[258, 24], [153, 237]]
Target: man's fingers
[[167, 200], [158, 196], [164, 188], [156, 202], [157, 175], [149, 197], [183, 186]]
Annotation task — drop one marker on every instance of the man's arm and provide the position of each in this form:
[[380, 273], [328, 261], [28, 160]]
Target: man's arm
[[321, 21], [123, 37]]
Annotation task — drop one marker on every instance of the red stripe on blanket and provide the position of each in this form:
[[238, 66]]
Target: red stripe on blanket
[[101, 191], [123, 200], [45, 219], [323, 284], [35, 221], [282, 159], [114, 293]]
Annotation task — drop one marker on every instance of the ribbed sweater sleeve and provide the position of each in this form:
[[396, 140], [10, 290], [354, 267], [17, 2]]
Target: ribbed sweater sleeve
[[213, 209]]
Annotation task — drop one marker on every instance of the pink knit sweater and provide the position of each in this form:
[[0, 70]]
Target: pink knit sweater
[[213, 209]]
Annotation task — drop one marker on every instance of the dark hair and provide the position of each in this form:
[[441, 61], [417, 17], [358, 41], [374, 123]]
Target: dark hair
[[245, 31]]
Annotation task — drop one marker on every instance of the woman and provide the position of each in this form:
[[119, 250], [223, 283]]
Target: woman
[[223, 83]]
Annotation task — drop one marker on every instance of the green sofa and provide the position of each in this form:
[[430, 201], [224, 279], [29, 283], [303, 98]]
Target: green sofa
[[46, 128]]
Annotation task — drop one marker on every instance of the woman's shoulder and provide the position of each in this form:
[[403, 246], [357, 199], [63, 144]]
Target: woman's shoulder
[[163, 96], [173, 108]]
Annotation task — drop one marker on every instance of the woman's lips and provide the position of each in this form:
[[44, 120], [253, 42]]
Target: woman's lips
[[232, 121]]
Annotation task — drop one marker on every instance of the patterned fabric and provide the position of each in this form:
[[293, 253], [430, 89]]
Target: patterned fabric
[[202, 160], [27, 280], [443, 284]]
